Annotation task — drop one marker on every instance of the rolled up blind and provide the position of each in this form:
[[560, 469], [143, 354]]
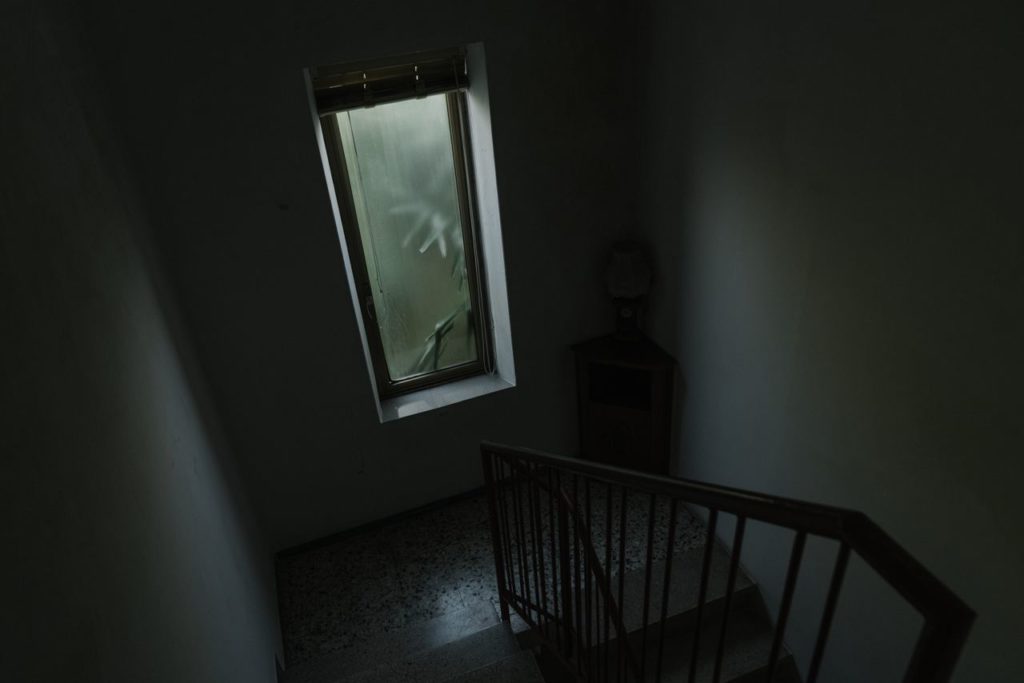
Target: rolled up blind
[[364, 84]]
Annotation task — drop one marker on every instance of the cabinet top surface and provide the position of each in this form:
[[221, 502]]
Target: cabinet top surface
[[611, 349]]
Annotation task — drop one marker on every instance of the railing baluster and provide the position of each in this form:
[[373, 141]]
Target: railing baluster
[[787, 601], [538, 557], [593, 631], [517, 562], [545, 530], [537, 547], [564, 568], [709, 547], [842, 558], [524, 509], [595, 619], [554, 563], [734, 564], [578, 605], [623, 509], [608, 573], [510, 559], [598, 607], [588, 587], [647, 587], [669, 544], [499, 558], [517, 500], [508, 487]]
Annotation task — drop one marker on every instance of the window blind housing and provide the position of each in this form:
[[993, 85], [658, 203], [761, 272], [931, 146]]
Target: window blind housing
[[364, 84]]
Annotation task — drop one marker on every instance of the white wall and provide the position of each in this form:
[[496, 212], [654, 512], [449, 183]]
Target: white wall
[[212, 103], [833, 194], [129, 552]]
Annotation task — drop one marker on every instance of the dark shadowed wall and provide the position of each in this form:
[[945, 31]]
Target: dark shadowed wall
[[213, 105], [833, 193], [129, 553]]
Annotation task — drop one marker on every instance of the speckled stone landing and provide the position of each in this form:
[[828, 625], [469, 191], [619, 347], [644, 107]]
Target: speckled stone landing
[[412, 570], [386, 578]]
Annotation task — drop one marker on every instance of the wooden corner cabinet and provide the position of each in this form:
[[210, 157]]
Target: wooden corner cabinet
[[625, 390]]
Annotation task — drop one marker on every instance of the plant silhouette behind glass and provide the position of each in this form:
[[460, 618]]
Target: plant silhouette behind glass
[[432, 212]]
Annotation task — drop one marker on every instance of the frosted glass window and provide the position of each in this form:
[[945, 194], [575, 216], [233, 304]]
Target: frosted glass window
[[409, 206]]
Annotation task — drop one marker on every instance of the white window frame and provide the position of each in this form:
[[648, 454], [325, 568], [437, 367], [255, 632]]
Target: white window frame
[[482, 179]]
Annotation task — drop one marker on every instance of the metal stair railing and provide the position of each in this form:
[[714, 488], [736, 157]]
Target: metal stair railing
[[562, 571]]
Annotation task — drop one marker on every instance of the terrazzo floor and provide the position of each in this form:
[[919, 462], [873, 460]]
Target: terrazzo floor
[[417, 568]]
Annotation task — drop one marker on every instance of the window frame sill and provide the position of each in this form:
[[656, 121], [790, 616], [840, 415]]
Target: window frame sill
[[440, 396]]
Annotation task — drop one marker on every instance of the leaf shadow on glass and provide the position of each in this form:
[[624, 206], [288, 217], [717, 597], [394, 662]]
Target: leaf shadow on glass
[[401, 159], [432, 225]]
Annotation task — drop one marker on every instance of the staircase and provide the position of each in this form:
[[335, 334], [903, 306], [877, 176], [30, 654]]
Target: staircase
[[607, 574], [566, 539], [474, 644], [749, 636]]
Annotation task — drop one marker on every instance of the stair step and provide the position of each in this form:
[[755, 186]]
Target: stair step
[[445, 662], [399, 645], [786, 673], [748, 638], [747, 648], [683, 594], [518, 668], [684, 586]]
